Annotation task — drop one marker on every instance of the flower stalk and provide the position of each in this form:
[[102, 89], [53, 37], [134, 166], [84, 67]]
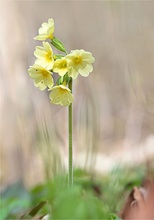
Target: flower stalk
[[70, 143]]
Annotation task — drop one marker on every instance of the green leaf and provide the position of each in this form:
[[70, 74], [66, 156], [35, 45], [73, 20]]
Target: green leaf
[[35, 210], [114, 217], [58, 44]]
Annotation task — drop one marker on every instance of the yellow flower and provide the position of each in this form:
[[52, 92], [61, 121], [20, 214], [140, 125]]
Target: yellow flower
[[46, 31], [41, 76], [44, 55], [61, 95], [79, 63], [60, 66]]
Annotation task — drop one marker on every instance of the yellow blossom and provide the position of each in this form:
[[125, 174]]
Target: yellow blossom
[[61, 66], [46, 31], [61, 95], [79, 63], [44, 55], [41, 76]]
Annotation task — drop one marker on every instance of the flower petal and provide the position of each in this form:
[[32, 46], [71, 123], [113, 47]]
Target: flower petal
[[44, 55], [46, 30], [61, 95], [80, 62], [41, 76]]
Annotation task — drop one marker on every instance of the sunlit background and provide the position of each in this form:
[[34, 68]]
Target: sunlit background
[[114, 107]]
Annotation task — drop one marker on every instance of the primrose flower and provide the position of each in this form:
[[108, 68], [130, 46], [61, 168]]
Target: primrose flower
[[46, 31], [61, 95], [61, 66], [41, 76], [44, 55], [79, 62]]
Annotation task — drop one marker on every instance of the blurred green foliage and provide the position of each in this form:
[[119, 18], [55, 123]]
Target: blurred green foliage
[[92, 197]]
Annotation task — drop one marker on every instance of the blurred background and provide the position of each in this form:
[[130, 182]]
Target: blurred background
[[113, 107]]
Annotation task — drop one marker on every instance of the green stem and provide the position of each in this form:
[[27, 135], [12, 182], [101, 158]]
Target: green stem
[[70, 157]]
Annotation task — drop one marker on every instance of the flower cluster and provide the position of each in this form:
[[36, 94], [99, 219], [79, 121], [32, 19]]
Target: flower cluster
[[67, 66]]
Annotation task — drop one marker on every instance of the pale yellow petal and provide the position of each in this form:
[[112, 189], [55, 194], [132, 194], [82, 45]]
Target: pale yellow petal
[[41, 76], [73, 73], [85, 72], [46, 30], [41, 37], [61, 95]]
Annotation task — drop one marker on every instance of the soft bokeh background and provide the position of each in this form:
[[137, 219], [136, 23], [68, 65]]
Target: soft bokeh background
[[113, 107]]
